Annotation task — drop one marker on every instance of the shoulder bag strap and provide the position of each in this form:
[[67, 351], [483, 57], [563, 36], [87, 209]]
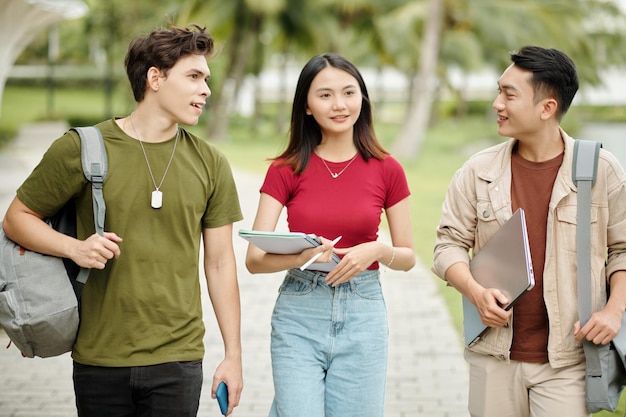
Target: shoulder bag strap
[[95, 168], [584, 171]]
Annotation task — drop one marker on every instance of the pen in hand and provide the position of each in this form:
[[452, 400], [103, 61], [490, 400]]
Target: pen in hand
[[317, 255]]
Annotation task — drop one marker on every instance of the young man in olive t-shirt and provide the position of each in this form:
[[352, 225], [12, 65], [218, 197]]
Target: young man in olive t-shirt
[[139, 348]]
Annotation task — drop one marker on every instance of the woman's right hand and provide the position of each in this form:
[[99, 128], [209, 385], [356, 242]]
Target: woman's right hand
[[325, 252]]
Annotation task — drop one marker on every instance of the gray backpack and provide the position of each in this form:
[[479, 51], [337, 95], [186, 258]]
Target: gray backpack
[[39, 294]]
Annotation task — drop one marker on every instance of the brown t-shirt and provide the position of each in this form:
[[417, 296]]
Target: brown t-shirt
[[531, 189]]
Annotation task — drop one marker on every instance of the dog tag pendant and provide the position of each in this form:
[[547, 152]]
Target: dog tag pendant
[[157, 199]]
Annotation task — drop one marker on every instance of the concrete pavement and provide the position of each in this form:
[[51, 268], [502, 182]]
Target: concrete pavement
[[427, 376]]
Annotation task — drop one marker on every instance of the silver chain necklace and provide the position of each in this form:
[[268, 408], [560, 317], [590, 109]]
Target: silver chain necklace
[[336, 174], [157, 195]]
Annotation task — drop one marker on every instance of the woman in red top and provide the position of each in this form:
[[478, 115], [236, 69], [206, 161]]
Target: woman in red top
[[329, 329]]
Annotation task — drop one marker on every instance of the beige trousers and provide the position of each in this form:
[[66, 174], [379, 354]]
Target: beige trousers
[[520, 389]]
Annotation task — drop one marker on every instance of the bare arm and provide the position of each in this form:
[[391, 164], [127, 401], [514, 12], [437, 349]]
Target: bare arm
[[258, 261], [221, 276], [27, 228]]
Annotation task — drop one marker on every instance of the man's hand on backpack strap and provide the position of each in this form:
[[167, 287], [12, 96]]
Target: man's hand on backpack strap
[[95, 251]]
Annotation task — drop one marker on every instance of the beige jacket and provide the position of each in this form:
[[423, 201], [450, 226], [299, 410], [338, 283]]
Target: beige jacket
[[478, 202]]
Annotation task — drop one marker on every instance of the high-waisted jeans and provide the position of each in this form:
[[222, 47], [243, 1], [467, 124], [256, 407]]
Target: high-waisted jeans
[[329, 347]]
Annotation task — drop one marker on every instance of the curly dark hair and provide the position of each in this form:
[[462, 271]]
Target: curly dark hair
[[161, 49]]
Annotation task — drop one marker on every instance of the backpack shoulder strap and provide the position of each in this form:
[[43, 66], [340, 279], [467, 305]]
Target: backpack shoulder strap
[[95, 168]]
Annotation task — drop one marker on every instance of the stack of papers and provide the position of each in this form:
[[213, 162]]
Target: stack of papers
[[288, 243]]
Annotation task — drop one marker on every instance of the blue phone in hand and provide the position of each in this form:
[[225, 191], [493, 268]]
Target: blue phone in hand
[[222, 397]]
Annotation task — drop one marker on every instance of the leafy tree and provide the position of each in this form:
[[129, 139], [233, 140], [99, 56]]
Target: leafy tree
[[254, 34], [237, 26], [479, 34], [423, 92]]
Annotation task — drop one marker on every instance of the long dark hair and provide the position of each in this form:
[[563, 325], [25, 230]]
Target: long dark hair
[[305, 134]]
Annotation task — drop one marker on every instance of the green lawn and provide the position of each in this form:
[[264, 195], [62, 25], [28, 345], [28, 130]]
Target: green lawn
[[445, 148], [22, 105]]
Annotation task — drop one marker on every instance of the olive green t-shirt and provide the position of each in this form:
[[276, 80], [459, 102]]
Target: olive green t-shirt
[[145, 307]]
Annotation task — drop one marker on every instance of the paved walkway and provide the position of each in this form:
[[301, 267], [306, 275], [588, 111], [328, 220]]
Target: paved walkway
[[427, 375]]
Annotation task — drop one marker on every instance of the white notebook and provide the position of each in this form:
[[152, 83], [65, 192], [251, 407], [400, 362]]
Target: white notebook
[[286, 243], [504, 262]]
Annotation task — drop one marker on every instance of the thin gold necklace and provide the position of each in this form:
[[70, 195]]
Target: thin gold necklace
[[337, 174], [156, 200]]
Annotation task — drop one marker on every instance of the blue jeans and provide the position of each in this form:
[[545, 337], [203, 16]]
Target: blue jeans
[[329, 347], [168, 389]]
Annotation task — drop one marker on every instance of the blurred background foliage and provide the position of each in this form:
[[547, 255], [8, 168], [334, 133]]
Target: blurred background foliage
[[432, 123], [256, 35]]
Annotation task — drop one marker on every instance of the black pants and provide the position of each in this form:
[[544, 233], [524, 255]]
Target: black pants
[[169, 389]]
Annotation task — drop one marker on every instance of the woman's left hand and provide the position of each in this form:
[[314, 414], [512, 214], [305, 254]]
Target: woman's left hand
[[355, 260]]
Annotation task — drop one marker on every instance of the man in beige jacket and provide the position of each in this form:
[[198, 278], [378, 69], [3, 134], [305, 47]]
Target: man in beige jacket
[[531, 361]]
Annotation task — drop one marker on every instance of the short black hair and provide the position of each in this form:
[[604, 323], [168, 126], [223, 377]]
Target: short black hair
[[554, 74]]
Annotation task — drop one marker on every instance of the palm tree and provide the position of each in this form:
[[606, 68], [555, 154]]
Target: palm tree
[[411, 136], [301, 29], [479, 34], [293, 37], [289, 30], [236, 25], [110, 26]]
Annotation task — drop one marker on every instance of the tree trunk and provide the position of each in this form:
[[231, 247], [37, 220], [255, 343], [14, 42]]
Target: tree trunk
[[257, 115], [283, 111], [411, 137], [241, 48]]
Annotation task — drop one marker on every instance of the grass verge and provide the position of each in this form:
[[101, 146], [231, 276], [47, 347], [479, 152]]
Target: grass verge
[[446, 147]]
